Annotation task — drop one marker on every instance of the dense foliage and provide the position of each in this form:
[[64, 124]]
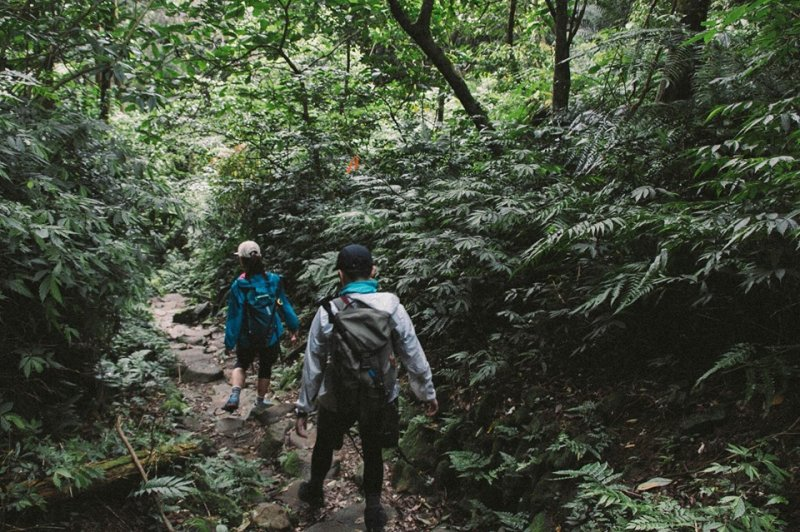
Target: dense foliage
[[629, 250]]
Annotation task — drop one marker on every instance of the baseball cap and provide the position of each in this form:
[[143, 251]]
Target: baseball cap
[[354, 258], [248, 248]]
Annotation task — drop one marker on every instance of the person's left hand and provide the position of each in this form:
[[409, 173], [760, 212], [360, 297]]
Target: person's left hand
[[293, 338]]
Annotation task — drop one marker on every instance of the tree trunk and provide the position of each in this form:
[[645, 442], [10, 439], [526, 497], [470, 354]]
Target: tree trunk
[[512, 13], [681, 60], [105, 74], [440, 100], [562, 77], [104, 82], [420, 33], [565, 25]]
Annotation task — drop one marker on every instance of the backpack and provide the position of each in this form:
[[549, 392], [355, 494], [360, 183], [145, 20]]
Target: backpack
[[260, 303], [362, 365]]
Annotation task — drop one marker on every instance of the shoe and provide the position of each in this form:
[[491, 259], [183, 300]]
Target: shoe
[[310, 495], [232, 404], [375, 518], [263, 403]]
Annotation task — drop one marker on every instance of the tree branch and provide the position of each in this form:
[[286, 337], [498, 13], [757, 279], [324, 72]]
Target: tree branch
[[575, 22], [425, 12], [142, 472], [551, 8], [401, 16]]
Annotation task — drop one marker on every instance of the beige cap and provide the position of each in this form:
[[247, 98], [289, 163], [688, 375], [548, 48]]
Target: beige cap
[[248, 248]]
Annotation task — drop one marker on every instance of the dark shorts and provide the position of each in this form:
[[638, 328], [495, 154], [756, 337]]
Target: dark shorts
[[267, 356], [332, 426]]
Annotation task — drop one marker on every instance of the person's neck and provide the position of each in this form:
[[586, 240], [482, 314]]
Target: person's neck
[[359, 286]]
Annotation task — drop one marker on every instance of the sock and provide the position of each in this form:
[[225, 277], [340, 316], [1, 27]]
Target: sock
[[260, 400], [235, 392]]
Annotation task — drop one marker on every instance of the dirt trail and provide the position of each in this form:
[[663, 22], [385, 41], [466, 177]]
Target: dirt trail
[[204, 373]]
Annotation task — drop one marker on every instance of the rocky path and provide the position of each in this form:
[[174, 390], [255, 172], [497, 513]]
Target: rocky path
[[267, 433]]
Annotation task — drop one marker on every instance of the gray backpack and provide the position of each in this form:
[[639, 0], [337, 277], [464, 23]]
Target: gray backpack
[[363, 369]]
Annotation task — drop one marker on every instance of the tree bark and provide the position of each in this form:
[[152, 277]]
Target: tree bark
[[440, 100], [512, 14], [105, 74], [562, 76], [565, 25], [682, 59], [420, 33]]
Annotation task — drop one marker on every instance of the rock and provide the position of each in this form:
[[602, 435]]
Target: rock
[[271, 414], [406, 479], [348, 519], [228, 426], [176, 331], [193, 354], [289, 494], [704, 421], [272, 443], [303, 443], [202, 372], [192, 337], [272, 517], [192, 315]]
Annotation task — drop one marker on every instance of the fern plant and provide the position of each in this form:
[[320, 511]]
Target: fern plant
[[603, 502], [168, 488], [767, 372]]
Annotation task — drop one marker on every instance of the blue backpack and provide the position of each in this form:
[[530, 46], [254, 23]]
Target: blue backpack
[[260, 303]]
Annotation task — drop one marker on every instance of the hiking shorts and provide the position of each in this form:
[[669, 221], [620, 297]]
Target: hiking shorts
[[332, 426], [267, 356]]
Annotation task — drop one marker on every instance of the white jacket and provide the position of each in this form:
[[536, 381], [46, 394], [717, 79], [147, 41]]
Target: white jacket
[[406, 348]]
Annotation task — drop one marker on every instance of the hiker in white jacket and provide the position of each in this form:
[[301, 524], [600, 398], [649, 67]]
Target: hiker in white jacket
[[359, 290]]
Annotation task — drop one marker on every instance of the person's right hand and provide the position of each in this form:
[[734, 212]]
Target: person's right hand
[[431, 407], [300, 426]]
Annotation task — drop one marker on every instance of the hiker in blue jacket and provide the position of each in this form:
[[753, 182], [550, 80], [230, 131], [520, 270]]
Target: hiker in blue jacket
[[356, 274], [244, 314]]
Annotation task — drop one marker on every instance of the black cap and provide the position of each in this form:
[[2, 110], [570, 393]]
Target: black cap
[[354, 258]]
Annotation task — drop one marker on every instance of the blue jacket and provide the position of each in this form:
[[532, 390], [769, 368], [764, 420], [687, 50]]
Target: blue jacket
[[234, 335]]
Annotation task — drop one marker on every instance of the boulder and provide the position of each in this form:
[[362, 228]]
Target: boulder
[[202, 372], [229, 425], [271, 414], [704, 421], [193, 314], [348, 519], [272, 517], [272, 442]]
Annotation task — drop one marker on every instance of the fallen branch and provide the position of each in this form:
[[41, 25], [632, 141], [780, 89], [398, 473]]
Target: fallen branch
[[121, 468], [143, 473]]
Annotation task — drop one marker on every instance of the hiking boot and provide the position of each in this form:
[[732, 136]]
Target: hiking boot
[[263, 403], [310, 494], [375, 518], [232, 404]]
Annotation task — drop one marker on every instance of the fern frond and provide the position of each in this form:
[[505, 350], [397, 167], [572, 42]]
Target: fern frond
[[166, 487], [738, 355]]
